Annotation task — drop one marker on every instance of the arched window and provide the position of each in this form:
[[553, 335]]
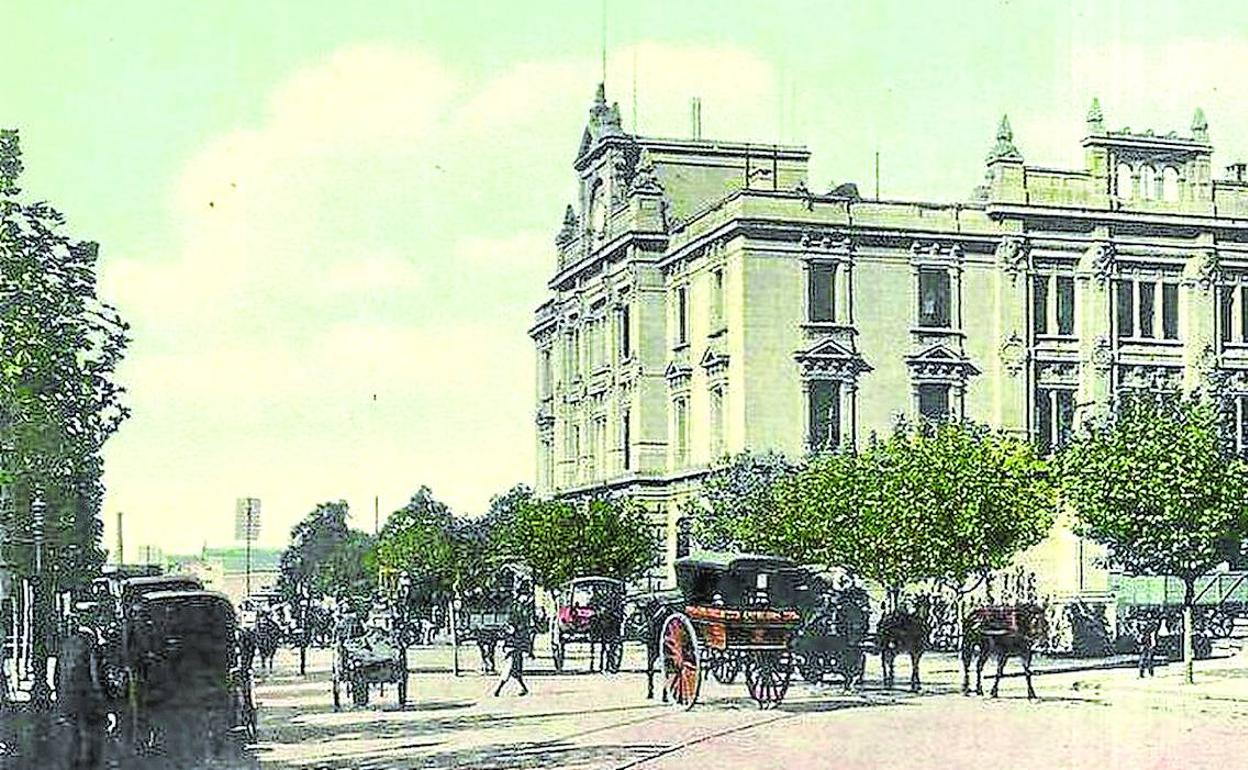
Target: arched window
[[1146, 183], [1125, 181], [1170, 183]]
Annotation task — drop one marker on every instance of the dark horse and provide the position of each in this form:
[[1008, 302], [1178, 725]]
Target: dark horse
[[1005, 632], [906, 632], [268, 637], [655, 611]]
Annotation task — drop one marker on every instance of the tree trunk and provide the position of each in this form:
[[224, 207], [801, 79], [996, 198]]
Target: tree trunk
[[1189, 596], [894, 598]]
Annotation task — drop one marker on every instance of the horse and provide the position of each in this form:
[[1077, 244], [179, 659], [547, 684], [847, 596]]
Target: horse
[[906, 632], [1005, 632], [267, 638]]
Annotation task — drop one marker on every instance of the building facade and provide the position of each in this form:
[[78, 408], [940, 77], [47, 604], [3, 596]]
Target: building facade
[[705, 302]]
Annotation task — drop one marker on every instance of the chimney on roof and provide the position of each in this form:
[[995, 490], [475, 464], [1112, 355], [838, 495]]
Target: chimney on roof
[[696, 116]]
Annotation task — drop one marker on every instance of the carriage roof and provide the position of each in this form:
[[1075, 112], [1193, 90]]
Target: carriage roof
[[595, 580], [717, 561]]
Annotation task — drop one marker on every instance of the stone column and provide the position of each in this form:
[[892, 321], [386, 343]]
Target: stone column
[[1010, 334], [1198, 316]]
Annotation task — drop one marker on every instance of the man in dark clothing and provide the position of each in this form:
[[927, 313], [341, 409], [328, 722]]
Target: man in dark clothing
[[516, 641], [1149, 629]]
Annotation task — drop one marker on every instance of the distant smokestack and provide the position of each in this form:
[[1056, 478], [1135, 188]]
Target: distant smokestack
[[696, 114]]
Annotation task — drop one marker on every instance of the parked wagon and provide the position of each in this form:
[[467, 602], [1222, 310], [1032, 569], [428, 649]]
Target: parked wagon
[[589, 610], [737, 613]]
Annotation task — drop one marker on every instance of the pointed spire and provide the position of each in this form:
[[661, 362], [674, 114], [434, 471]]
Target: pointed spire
[[1200, 126], [1004, 148], [598, 111], [1096, 119], [568, 231]]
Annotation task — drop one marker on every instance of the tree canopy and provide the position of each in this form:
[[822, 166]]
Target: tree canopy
[[564, 539], [946, 502], [1155, 482], [326, 556]]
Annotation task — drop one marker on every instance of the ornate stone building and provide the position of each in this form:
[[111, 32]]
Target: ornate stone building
[[705, 301]]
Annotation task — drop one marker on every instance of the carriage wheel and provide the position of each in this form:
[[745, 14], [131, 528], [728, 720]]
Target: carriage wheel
[[767, 676], [614, 657], [557, 650], [682, 673], [726, 668]]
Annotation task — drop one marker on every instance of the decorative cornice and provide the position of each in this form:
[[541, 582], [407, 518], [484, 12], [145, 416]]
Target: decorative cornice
[[829, 360], [941, 364]]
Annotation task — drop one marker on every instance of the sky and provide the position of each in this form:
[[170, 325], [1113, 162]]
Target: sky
[[329, 223]]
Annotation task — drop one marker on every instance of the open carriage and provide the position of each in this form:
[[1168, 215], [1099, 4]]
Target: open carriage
[[364, 657], [739, 613], [589, 610]]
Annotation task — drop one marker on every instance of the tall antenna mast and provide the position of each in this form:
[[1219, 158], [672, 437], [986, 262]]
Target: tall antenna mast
[[603, 42]]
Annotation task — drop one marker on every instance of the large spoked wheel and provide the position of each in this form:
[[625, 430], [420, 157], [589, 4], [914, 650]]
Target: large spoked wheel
[[723, 667], [614, 656], [682, 672], [767, 676], [557, 649]]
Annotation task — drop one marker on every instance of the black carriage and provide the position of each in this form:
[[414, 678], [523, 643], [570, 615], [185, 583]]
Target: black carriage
[[366, 657], [185, 681], [589, 610], [833, 636], [738, 613], [484, 611]]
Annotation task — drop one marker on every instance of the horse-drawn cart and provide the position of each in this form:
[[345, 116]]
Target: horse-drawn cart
[[833, 636], [590, 610], [364, 658], [483, 612], [738, 613]]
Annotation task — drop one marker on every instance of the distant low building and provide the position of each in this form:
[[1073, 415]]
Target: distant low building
[[225, 569]]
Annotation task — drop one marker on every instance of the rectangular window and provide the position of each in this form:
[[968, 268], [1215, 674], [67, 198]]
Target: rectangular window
[[682, 431], [1147, 297], [1170, 311], [625, 335], [1226, 300], [934, 298], [825, 416], [682, 316], [1065, 304], [717, 422], [1126, 308], [1055, 418], [545, 375], [934, 401], [625, 451], [717, 299], [1040, 304], [820, 292], [1243, 316]]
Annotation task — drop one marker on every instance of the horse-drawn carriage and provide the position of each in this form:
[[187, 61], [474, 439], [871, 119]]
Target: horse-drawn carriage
[[364, 657], [737, 612], [589, 610], [164, 664], [833, 636], [483, 611]]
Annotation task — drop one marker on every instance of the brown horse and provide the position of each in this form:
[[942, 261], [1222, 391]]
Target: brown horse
[[906, 632], [1005, 632]]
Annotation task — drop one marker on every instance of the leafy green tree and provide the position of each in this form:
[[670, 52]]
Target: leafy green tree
[[564, 539], [424, 540], [59, 401], [948, 503], [1155, 481], [732, 509], [326, 556]]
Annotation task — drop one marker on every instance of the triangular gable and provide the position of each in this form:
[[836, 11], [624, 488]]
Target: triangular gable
[[828, 348], [939, 360]]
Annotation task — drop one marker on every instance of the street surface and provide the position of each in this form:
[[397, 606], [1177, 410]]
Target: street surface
[[1090, 718]]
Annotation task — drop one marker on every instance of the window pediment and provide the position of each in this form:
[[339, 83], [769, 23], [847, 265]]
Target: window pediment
[[830, 359], [939, 363]]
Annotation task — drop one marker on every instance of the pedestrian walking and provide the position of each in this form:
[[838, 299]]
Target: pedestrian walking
[[516, 641], [1149, 631]]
